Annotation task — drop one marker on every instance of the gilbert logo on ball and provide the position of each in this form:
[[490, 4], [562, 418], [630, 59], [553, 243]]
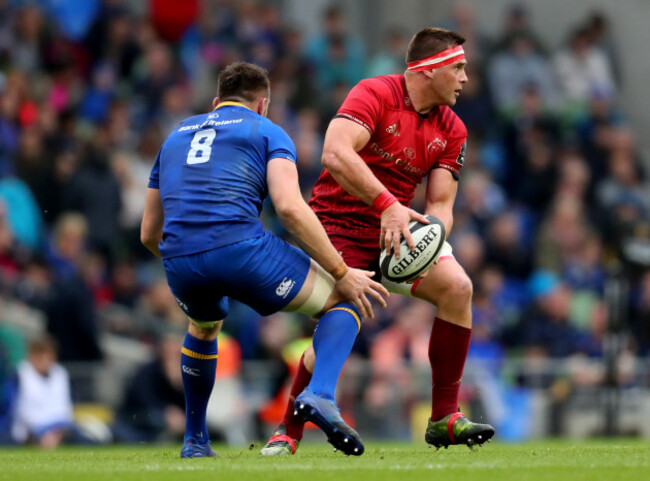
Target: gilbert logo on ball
[[428, 238]]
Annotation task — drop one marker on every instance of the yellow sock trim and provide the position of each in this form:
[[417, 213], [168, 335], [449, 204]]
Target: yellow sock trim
[[354, 314], [197, 355]]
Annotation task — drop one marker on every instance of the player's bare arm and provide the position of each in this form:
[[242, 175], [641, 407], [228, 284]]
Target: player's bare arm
[[294, 213], [440, 196], [151, 229], [343, 139]]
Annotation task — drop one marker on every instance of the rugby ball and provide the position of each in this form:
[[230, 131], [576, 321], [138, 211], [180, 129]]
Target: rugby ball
[[428, 238]]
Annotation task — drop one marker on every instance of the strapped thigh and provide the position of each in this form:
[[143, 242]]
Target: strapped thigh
[[323, 287]]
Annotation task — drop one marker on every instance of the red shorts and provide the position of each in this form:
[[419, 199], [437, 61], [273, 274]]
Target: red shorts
[[363, 253], [357, 252]]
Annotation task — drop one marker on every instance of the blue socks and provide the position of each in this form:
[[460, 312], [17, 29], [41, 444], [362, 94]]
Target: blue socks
[[333, 341], [199, 367]]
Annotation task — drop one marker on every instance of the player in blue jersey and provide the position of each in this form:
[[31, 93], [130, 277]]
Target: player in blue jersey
[[201, 218]]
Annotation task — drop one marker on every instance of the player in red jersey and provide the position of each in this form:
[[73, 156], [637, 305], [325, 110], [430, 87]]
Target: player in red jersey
[[391, 133]]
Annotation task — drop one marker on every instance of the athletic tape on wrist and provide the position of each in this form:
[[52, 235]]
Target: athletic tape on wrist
[[383, 201]]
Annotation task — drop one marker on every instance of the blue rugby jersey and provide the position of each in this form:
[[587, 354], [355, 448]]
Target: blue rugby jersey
[[211, 172]]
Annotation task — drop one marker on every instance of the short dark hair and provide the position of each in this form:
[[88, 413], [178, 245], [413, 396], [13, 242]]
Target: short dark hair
[[430, 41], [242, 81]]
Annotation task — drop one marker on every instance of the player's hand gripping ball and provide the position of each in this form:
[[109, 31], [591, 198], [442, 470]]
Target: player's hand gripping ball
[[428, 238]]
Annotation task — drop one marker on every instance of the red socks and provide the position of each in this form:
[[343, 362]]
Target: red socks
[[295, 424], [448, 348]]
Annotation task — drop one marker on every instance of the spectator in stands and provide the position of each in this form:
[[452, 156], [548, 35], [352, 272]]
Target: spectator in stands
[[469, 249], [475, 106], [528, 139], [27, 39], [598, 26], [550, 325], [44, 404], [22, 213], [337, 54], [390, 59], [482, 198], [297, 70], [598, 130], [506, 247], [9, 128], [69, 304], [158, 74], [519, 67], [477, 44], [561, 233], [626, 183], [517, 22], [153, 407], [124, 285], [582, 68], [94, 191], [309, 147], [586, 271], [97, 99]]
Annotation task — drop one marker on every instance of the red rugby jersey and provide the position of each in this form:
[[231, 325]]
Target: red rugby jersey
[[403, 147]]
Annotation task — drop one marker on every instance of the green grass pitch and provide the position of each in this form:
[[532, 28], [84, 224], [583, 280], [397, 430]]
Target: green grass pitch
[[606, 460]]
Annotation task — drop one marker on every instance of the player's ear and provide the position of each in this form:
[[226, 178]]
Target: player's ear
[[263, 106], [428, 73], [215, 102]]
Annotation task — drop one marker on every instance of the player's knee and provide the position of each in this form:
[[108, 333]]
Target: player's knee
[[206, 331], [459, 290]]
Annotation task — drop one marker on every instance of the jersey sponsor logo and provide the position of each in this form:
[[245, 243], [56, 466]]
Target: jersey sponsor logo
[[403, 164], [192, 371], [218, 123], [409, 152], [285, 287], [436, 145], [189, 127], [460, 160], [210, 123], [392, 129]]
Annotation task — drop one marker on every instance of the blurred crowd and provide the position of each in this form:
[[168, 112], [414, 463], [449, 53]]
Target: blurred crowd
[[552, 219]]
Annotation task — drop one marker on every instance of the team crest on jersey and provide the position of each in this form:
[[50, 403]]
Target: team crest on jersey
[[436, 145], [393, 130], [285, 287], [409, 152], [460, 160]]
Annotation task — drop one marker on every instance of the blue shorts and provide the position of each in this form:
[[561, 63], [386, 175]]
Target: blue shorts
[[264, 272]]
